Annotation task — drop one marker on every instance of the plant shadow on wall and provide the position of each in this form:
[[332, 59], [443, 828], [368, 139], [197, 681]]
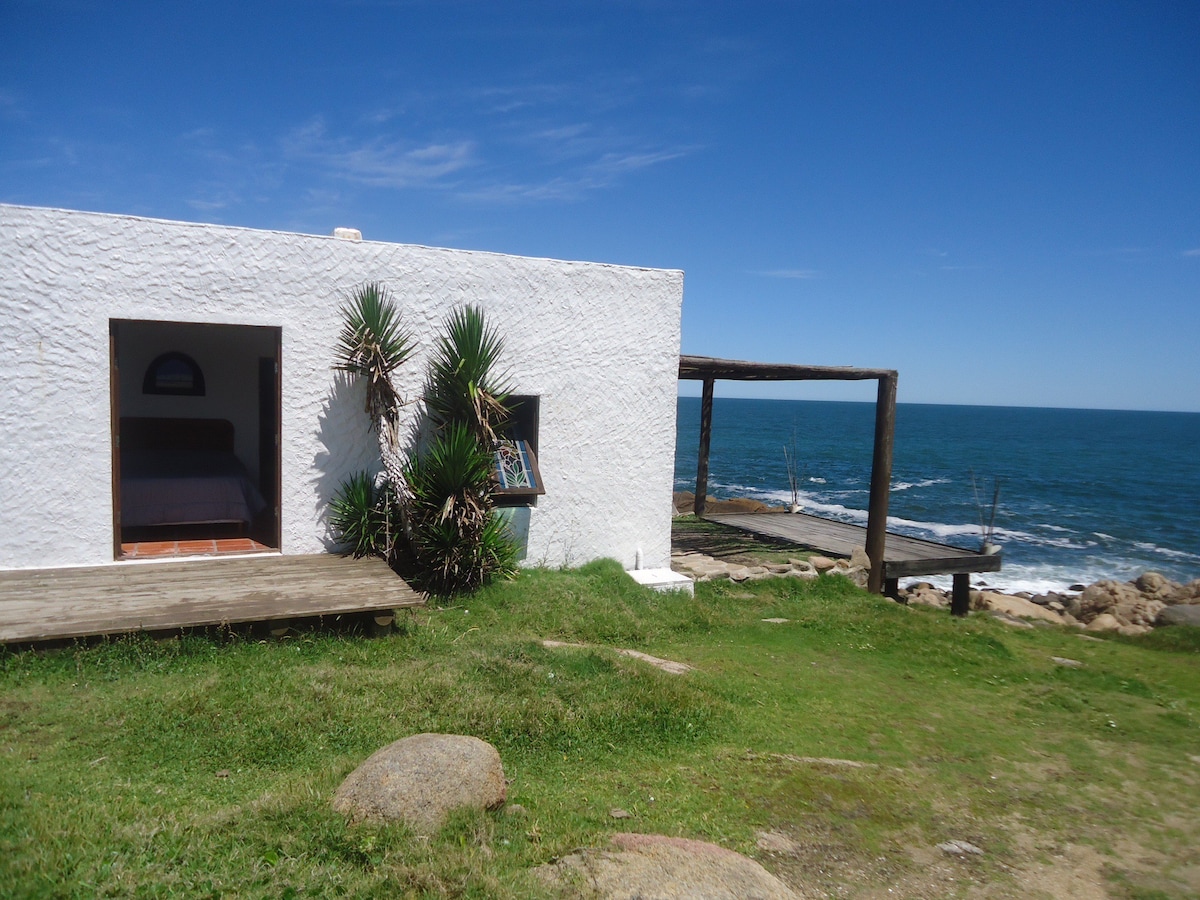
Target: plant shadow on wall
[[348, 445], [430, 513]]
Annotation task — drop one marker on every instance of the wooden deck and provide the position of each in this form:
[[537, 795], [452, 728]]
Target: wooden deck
[[903, 556], [47, 604]]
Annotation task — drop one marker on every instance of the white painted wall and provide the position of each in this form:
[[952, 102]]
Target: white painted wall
[[598, 343]]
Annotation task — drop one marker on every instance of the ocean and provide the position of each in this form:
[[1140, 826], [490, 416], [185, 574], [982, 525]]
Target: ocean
[[1083, 494]]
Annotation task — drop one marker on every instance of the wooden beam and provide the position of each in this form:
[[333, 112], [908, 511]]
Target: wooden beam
[[967, 563], [703, 368], [881, 480], [706, 405]]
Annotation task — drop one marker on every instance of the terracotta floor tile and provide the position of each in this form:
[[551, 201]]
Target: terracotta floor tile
[[157, 548], [198, 546], [236, 545]]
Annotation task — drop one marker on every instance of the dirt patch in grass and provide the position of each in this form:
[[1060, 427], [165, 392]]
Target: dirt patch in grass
[[817, 859]]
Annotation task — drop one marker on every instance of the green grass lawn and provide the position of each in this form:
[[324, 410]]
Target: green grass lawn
[[203, 767]]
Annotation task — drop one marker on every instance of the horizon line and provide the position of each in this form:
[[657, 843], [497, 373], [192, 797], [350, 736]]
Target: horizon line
[[1185, 412]]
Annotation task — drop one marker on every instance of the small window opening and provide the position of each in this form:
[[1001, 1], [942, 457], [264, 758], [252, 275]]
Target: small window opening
[[518, 480], [174, 373]]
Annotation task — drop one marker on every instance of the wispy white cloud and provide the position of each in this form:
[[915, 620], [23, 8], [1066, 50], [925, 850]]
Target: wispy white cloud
[[561, 189], [574, 135], [525, 142], [590, 164], [619, 163], [595, 148], [574, 185], [1195, 251], [388, 164], [380, 161], [506, 100], [213, 204]]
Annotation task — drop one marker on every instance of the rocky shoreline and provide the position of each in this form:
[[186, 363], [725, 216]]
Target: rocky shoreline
[[1128, 608]]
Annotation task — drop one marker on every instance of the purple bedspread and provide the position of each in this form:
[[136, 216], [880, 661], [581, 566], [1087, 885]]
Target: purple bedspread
[[183, 488]]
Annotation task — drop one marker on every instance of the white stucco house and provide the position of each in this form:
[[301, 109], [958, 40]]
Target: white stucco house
[[111, 325]]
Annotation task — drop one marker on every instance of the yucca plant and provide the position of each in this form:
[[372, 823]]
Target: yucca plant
[[463, 384], [372, 345], [440, 500], [457, 539], [455, 563], [365, 517]]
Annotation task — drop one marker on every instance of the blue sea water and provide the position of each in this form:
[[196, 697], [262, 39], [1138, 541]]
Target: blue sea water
[[1084, 494]]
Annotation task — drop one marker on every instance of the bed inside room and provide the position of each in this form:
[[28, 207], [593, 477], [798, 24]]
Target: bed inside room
[[195, 438], [184, 472]]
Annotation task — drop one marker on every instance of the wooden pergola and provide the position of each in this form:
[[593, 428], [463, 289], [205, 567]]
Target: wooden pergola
[[707, 369]]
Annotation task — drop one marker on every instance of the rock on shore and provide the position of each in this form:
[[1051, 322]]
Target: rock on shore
[[702, 567], [1130, 608]]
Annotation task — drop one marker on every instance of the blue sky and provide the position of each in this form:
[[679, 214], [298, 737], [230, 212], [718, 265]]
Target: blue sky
[[999, 199]]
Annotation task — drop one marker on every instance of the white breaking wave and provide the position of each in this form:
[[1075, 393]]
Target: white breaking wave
[[943, 532], [1045, 579], [909, 485], [1167, 552], [999, 535], [737, 490]]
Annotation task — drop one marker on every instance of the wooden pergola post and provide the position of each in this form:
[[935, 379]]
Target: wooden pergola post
[[907, 561], [708, 370], [881, 480], [706, 404]]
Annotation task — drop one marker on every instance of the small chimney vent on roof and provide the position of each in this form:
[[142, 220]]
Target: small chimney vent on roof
[[347, 234]]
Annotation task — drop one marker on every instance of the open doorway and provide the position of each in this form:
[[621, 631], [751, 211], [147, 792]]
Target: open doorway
[[196, 438]]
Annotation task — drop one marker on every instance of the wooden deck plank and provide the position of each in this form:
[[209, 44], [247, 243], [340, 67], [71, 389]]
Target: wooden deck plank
[[904, 556], [45, 604]]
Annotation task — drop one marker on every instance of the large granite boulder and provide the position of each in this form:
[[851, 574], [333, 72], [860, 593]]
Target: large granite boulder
[[1123, 601], [926, 594], [859, 559], [859, 576], [655, 867], [419, 780], [1104, 622], [1157, 587], [1014, 606], [1188, 593], [1181, 614]]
